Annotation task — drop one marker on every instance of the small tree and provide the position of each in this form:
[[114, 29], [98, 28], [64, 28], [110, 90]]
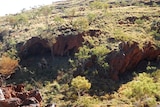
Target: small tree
[[81, 84], [101, 51], [82, 56]]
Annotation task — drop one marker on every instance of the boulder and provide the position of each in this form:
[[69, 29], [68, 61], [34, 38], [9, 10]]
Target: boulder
[[16, 96], [129, 55]]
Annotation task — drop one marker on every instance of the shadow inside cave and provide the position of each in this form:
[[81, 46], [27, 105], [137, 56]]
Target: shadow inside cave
[[38, 66]]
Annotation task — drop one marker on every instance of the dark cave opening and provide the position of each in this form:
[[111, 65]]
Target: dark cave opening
[[38, 50]]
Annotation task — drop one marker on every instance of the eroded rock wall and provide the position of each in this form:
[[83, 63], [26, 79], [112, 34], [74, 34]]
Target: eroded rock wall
[[63, 44], [129, 55]]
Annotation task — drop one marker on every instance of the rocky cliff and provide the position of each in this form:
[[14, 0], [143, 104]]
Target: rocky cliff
[[129, 55], [61, 46]]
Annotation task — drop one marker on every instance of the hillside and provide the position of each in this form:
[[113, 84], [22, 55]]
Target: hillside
[[85, 53]]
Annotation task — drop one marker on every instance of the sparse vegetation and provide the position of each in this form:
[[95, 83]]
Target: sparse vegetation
[[81, 75], [81, 24], [16, 21], [46, 11]]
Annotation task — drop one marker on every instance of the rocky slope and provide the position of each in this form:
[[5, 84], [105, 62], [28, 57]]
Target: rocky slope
[[16, 95]]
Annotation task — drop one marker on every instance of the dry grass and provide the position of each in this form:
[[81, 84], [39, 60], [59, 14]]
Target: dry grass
[[7, 65]]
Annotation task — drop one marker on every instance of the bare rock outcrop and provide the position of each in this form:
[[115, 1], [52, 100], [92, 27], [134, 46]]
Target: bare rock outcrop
[[33, 46], [129, 55], [16, 96], [66, 44]]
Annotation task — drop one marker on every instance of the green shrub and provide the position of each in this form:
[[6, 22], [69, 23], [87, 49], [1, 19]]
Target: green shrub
[[155, 34], [91, 18], [139, 21], [154, 4], [51, 92], [96, 5], [84, 53], [142, 85], [120, 35], [81, 24], [58, 20], [20, 19]]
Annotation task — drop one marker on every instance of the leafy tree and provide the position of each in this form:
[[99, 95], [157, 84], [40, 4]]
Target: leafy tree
[[82, 56], [101, 51], [81, 84]]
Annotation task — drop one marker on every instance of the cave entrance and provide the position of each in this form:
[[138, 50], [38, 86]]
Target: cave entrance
[[34, 51], [37, 62], [38, 50]]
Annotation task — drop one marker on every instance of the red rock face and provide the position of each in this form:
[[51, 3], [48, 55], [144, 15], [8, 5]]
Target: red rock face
[[34, 46], [129, 56], [16, 96], [64, 44]]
